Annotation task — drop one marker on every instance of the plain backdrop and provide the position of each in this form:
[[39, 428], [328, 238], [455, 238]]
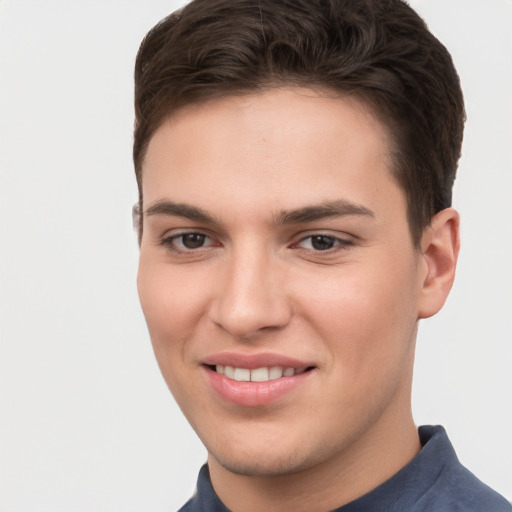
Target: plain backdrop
[[86, 422]]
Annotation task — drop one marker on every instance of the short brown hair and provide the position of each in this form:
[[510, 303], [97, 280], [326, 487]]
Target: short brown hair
[[379, 51]]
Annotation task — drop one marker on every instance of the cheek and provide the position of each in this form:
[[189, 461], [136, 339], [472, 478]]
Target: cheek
[[172, 302], [173, 306], [367, 318]]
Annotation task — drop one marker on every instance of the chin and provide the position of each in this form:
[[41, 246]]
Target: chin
[[259, 467], [269, 462]]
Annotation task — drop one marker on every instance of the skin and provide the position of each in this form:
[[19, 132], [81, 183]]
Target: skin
[[259, 284]]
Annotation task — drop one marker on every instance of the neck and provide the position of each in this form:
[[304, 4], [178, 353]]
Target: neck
[[376, 456]]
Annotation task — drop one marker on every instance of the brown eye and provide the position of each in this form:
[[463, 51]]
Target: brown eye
[[188, 242], [193, 240], [322, 242]]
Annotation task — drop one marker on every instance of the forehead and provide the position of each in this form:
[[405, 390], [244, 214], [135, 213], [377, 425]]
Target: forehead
[[281, 148]]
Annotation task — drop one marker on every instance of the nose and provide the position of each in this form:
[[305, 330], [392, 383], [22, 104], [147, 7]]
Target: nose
[[250, 297]]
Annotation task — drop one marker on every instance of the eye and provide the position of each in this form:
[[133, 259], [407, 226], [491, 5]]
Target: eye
[[322, 242], [185, 242], [192, 240]]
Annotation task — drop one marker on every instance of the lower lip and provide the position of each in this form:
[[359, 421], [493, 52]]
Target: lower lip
[[253, 394]]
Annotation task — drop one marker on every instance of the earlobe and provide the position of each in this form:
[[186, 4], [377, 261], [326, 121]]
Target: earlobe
[[440, 249]]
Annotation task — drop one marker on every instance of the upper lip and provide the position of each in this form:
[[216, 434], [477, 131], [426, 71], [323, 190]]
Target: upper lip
[[253, 361]]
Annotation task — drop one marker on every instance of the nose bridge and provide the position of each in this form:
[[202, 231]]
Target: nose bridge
[[250, 297]]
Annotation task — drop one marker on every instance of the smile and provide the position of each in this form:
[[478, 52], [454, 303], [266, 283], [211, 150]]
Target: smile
[[255, 381], [263, 374]]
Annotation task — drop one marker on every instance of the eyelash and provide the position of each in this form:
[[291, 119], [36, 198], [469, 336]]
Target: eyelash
[[170, 242], [337, 243]]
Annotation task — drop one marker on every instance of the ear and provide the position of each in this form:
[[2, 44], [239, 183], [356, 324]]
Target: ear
[[137, 221], [440, 245]]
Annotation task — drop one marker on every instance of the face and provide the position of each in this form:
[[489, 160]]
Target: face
[[278, 278]]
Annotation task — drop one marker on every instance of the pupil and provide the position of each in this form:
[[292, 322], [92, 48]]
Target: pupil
[[322, 243], [193, 240]]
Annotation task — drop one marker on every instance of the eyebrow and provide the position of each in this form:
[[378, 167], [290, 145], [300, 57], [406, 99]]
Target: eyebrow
[[331, 209], [180, 210]]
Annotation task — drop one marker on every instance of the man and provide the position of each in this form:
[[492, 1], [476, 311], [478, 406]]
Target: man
[[295, 161]]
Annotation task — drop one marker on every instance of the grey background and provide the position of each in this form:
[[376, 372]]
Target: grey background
[[86, 422]]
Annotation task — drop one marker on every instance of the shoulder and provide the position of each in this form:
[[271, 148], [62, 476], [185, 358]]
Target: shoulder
[[434, 481], [455, 488], [461, 491]]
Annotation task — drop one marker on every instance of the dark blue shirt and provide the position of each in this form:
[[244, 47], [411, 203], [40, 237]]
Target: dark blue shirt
[[434, 481]]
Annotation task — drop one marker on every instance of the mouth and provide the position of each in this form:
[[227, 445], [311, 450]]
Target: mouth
[[256, 381], [263, 374]]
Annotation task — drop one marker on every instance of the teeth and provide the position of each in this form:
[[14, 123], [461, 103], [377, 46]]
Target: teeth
[[258, 374], [229, 371], [275, 373], [242, 374]]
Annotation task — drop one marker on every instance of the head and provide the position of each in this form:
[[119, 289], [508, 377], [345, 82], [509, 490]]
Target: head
[[295, 163], [379, 52]]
